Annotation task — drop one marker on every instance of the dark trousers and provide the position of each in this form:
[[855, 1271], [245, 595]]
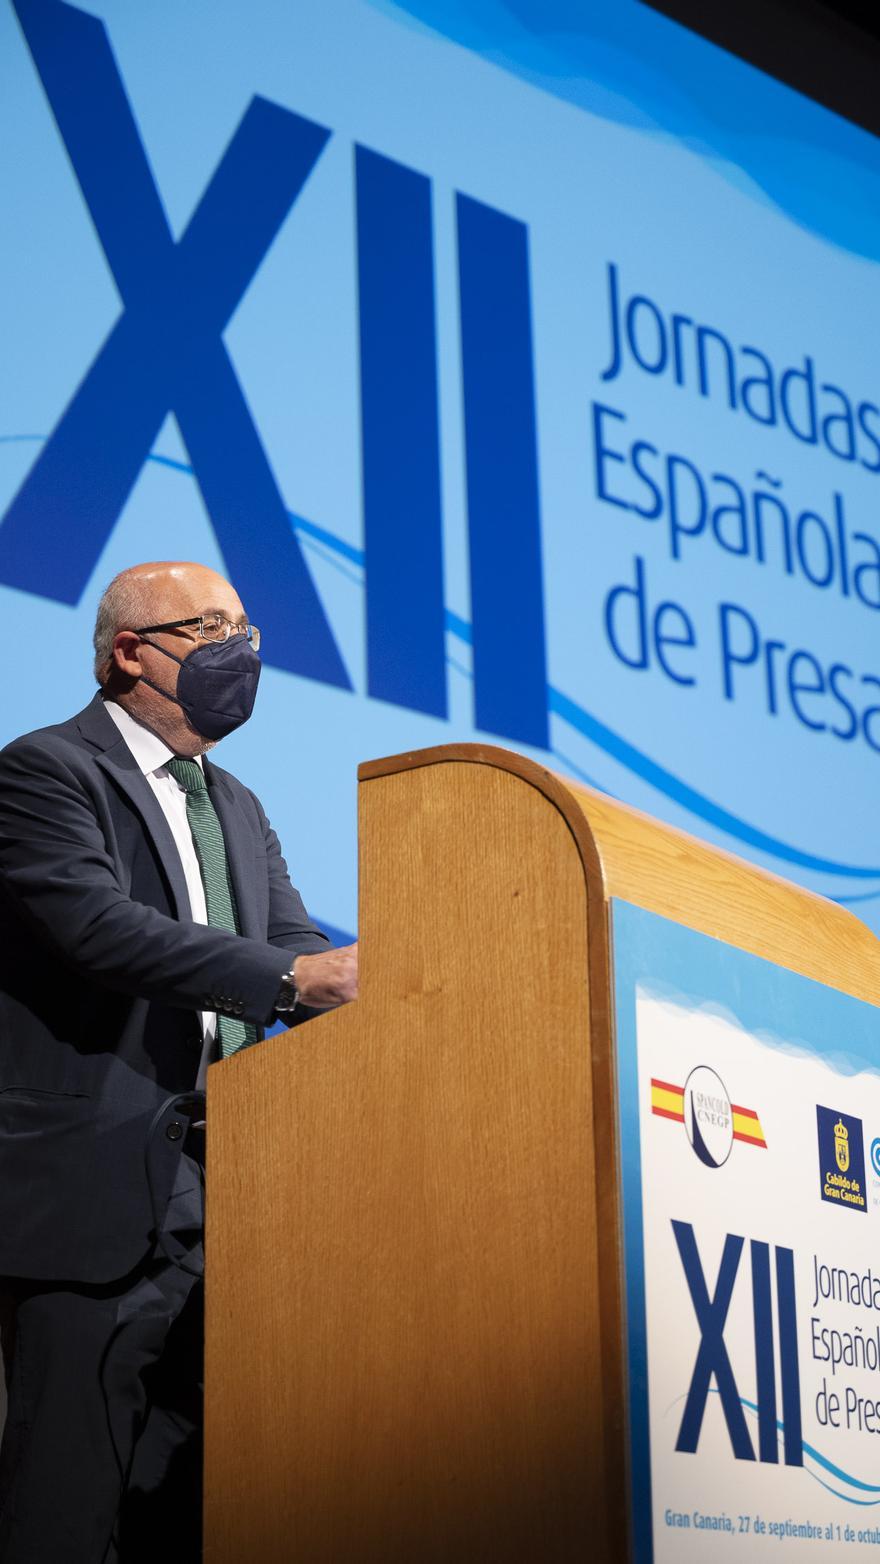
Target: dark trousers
[[101, 1455]]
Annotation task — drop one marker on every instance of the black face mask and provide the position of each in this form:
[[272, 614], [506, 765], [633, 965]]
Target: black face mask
[[216, 686]]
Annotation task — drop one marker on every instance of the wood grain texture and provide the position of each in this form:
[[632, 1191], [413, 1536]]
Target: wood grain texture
[[670, 872], [403, 1359], [414, 1345]]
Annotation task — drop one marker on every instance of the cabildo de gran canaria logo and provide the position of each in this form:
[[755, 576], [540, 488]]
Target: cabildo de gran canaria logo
[[711, 1120], [841, 1159]]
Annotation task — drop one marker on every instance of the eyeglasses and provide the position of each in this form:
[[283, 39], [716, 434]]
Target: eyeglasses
[[212, 627]]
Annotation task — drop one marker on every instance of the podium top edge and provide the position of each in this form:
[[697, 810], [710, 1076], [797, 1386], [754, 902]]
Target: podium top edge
[[629, 855], [473, 754]]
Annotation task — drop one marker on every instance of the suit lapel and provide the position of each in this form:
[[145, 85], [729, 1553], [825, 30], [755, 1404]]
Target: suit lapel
[[239, 852], [115, 758]]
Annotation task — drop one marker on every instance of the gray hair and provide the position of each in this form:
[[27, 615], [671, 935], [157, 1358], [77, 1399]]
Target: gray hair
[[124, 605]]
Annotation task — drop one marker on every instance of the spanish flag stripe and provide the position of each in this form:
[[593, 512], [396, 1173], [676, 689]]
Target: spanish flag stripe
[[664, 1086], [747, 1126], [748, 1123], [667, 1113], [673, 1102], [747, 1113]]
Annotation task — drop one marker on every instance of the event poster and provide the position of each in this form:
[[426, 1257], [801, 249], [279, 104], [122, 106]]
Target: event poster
[[749, 1117]]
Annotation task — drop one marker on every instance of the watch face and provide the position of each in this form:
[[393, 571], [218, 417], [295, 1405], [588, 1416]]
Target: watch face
[[287, 998]]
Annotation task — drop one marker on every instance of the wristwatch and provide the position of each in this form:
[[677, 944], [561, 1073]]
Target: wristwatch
[[288, 993]]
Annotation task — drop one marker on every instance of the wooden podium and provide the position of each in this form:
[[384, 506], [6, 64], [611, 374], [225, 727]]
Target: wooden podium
[[414, 1334]]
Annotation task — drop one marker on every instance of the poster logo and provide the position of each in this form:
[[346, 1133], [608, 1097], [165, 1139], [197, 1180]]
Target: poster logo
[[712, 1122], [842, 1158], [875, 1155]]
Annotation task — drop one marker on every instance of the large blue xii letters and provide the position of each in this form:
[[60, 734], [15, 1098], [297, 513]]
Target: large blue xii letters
[[713, 1358], [165, 353]]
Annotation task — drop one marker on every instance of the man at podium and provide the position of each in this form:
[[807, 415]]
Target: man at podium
[[147, 927]]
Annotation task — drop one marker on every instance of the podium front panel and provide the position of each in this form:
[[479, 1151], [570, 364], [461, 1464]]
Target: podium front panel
[[749, 1146]]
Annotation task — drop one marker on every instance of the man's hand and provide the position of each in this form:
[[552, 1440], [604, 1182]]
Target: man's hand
[[329, 978]]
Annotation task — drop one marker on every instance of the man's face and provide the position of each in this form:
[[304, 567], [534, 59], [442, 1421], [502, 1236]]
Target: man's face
[[207, 597], [174, 592]]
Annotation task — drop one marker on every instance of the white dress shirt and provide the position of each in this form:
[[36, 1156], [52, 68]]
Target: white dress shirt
[[152, 756]]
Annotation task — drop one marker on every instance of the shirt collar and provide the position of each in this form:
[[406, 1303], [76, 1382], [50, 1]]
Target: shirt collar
[[150, 752]]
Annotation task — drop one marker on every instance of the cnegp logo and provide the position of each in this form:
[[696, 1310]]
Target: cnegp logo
[[712, 1122], [165, 353]]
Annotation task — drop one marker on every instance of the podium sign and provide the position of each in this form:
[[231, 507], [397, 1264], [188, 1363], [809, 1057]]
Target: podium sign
[[749, 1134], [574, 1194]]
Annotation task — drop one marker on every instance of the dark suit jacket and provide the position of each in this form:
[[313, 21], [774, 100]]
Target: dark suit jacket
[[102, 972]]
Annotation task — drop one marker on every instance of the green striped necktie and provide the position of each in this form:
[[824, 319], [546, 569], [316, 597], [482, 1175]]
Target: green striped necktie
[[219, 895]]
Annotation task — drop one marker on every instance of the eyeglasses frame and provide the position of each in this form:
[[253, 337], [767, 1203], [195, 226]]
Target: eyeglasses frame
[[251, 631]]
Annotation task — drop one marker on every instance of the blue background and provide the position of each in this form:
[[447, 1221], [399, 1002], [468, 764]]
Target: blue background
[[414, 340]]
